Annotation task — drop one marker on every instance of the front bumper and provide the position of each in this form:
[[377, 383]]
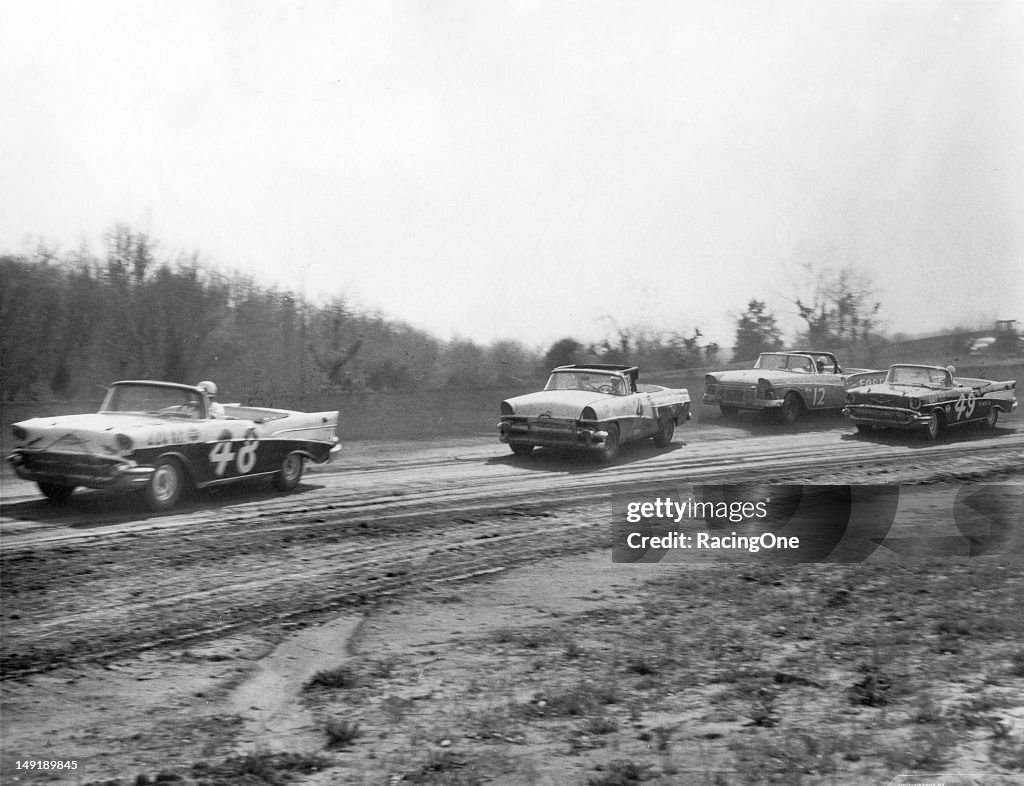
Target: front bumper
[[80, 469], [888, 417], [560, 434]]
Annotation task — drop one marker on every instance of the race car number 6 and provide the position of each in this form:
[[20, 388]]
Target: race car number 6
[[222, 454]]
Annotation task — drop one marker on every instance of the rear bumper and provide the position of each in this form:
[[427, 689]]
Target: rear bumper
[[88, 471]]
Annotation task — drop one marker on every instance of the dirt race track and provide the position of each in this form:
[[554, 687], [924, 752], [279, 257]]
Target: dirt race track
[[102, 584]]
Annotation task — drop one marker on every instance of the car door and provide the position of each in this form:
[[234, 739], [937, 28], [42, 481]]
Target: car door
[[829, 391], [637, 411]]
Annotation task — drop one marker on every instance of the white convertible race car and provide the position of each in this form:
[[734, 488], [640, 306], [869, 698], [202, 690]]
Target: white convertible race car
[[162, 437], [592, 406]]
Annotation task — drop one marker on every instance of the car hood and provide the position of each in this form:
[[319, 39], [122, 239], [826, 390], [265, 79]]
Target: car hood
[[895, 395], [93, 433], [563, 404], [749, 376]]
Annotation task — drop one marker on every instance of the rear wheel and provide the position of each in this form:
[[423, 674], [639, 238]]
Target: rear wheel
[[864, 428], [790, 409], [933, 427], [728, 412], [166, 486], [521, 448], [57, 493], [610, 449], [288, 477], [666, 430], [991, 418]]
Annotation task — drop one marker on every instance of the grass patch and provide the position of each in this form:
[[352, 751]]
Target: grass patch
[[621, 772], [341, 732], [342, 677]]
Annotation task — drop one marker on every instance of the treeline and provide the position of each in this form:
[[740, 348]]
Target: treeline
[[651, 351], [72, 323]]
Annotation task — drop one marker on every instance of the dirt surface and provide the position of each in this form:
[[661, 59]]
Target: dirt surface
[[477, 630]]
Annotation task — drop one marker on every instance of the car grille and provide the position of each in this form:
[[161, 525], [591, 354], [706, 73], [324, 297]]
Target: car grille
[[733, 395], [875, 414], [550, 424]]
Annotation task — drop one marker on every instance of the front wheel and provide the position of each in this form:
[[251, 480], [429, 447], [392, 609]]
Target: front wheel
[[666, 430], [933, 427], [610, 449], [790, 409], [728, 412], [57, 493], [521, 449], [288, 477], [166, 486], [864, 428]]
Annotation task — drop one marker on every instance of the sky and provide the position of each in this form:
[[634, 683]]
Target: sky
[[534, 170]]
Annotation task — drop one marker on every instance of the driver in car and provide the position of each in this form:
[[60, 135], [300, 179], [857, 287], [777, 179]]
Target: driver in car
[[213, 408]]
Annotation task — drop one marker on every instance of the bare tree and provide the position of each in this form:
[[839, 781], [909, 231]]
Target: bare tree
[[838, 305]]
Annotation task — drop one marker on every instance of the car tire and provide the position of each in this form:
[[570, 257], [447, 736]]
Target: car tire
[[991, 419], [790, 409], [57, 493], [933, 427], [864, 428], [728, 412], [521, 449], [666, 430], [610, 449], [288, 477], [166, 486]]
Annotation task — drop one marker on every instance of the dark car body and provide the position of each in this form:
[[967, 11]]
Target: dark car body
[[929, 399], [160, 437]]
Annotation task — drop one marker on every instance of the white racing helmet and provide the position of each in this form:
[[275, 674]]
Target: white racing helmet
[[207, 387]]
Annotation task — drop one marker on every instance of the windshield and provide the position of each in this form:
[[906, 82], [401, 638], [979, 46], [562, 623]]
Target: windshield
[[154, 400], [595, 381], [787, 362], [920, 375]]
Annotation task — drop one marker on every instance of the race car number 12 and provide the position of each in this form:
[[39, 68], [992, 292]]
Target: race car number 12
[[223, 454]]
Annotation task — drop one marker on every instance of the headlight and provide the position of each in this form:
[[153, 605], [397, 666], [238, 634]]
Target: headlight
[[915, 403], [764, 389], [851, 399], [506, 409], [124, 443], [588, 414], [20, 435]]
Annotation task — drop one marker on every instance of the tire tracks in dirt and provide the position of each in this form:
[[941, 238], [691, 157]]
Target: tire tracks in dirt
[[80, 588]]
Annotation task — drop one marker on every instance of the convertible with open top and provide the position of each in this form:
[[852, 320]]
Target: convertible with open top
[[596, 407], [161, 438], [928, 399], [785, 384]]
